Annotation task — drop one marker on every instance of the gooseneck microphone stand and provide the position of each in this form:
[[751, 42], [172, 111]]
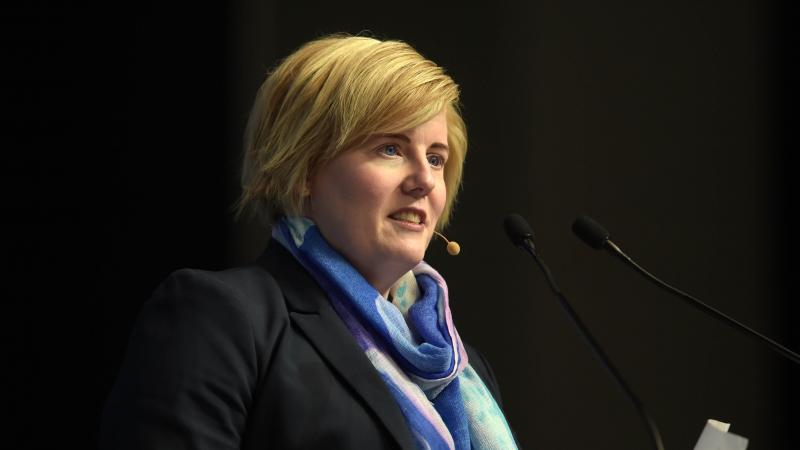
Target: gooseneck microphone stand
[[596, 236], [521, 235]]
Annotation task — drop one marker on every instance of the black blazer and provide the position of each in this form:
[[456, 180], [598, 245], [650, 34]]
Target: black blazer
[[255, 358]]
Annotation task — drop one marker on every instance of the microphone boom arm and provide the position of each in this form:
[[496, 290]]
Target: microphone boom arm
[[655, 436], [614, 249]]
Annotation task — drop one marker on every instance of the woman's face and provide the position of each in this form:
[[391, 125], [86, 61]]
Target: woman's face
[[378, 204]]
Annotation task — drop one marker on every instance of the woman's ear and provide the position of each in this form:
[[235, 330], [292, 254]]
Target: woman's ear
[[305, 194]]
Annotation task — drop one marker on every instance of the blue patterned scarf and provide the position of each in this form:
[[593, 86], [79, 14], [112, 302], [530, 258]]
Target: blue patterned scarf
[[412, 343]]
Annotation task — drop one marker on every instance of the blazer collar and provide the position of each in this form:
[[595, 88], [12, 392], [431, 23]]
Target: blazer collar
[[313, 313]]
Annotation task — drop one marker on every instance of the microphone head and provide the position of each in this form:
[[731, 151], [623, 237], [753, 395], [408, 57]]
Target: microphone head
[[590, 232], [453, 248], [517, 229]]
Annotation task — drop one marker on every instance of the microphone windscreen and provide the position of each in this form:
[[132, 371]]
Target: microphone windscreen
[[517, 229], [590, 232]]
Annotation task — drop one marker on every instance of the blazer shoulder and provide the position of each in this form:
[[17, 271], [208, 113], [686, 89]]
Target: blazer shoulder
[[251, 287], [195, 358]]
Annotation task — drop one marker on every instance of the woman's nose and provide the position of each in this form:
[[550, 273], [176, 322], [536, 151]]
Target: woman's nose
[[420, 180]]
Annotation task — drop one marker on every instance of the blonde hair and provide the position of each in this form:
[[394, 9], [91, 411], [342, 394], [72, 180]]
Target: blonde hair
[[330, 95]]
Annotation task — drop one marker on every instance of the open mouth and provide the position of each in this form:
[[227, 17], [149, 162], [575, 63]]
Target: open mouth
[[409, 216]]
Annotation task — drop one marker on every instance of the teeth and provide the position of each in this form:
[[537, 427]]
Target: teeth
[[407, 216]]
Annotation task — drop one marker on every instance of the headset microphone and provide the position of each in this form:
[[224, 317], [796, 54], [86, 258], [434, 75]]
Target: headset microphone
[[452, 246]]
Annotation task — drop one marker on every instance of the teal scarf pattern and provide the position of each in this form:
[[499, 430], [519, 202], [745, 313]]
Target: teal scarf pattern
[[412, 343]]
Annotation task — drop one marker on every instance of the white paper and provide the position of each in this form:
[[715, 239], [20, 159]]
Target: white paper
[[715, 436]]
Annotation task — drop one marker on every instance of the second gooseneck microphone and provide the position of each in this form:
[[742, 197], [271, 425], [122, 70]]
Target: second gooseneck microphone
[[521, 235], [595, 236]]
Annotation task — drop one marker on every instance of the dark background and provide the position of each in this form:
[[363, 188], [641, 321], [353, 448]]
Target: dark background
[[669, 122]]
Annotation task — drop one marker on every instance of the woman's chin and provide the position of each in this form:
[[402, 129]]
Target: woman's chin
[[405, 258]]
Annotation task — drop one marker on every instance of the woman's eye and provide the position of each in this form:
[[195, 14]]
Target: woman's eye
[[435, 160], [390, 150]]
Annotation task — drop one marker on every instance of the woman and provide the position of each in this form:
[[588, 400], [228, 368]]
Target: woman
[[339, 336]]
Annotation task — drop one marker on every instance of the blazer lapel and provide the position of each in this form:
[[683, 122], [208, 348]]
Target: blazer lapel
[[311, 310]]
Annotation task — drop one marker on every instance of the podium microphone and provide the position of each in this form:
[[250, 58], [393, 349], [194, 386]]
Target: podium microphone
[[595, 236], [521, 235]]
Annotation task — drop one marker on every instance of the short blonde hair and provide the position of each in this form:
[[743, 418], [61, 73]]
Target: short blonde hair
[[331, 95]]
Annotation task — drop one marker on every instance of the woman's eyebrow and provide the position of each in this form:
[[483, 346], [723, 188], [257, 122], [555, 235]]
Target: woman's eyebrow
[[399, 136], [406, 139]]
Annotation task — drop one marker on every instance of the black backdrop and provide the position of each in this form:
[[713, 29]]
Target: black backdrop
[[670, 122]]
